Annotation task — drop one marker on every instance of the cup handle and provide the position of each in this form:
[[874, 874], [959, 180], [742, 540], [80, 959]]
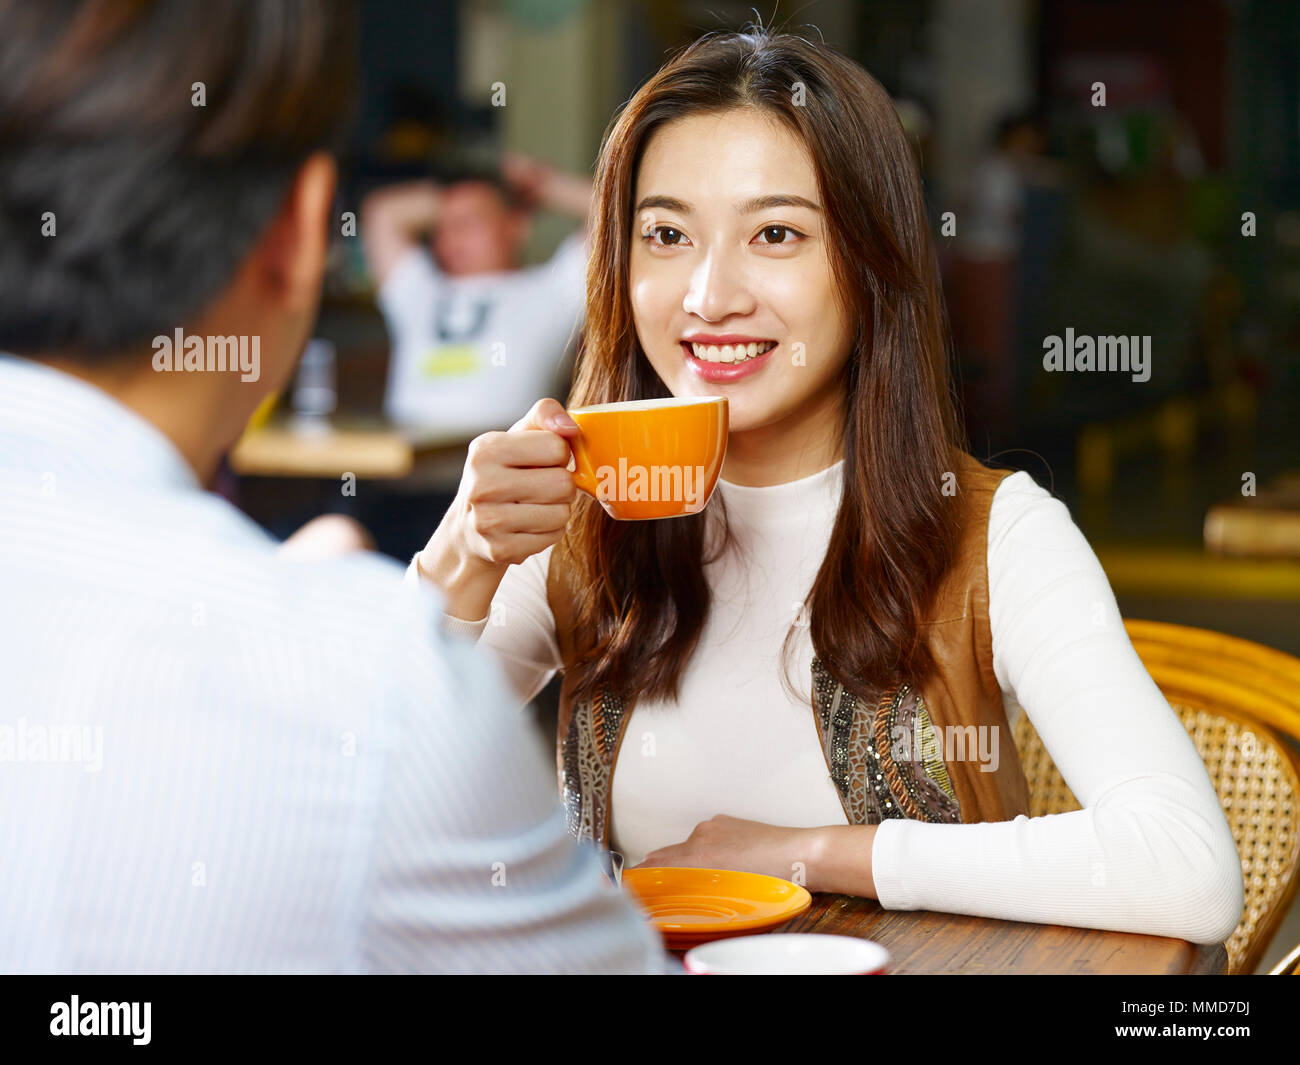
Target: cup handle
[[583, 474]]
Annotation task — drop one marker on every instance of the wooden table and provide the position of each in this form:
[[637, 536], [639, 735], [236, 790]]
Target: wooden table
[[371, 448], [920, 941]]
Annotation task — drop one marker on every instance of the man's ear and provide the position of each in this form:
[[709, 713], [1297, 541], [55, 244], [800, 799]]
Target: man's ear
[[293, 250]]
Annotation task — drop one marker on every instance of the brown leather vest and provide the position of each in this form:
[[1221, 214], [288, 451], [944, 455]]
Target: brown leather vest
[[942, 753]]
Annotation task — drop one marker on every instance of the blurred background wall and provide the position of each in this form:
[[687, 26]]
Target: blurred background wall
[[1129, 217]]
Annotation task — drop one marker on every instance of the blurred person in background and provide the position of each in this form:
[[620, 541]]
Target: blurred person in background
[[986, 260], [475, 336], [223, 759]]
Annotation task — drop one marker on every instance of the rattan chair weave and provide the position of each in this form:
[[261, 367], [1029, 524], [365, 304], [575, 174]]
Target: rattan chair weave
[[1255, 772]]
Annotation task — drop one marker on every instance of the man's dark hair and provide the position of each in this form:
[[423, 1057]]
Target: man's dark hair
[[156, 139], [480, 174]]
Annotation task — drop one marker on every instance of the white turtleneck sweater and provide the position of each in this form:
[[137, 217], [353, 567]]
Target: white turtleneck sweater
[[1149, 852]]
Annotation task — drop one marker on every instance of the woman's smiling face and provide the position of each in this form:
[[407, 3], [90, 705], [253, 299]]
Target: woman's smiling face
[[730, 277]]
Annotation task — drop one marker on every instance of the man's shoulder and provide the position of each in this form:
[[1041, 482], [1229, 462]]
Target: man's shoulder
[[360, 589], [197, 548], [349, 627], [360, 596]]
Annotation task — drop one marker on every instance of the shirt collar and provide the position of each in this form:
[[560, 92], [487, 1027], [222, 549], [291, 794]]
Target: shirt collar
[[52, 421], [818, 493]]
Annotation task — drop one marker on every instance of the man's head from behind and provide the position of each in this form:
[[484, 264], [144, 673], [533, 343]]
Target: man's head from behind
[[164, 165], [481, 227]]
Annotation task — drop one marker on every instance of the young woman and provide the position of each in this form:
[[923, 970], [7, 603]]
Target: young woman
[[816, 677]]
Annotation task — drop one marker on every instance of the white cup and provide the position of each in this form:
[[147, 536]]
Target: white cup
[[787, 954]]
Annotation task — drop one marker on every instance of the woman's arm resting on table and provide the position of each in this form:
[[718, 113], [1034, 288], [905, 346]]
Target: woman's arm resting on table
[[1150, 851], [834, 858]]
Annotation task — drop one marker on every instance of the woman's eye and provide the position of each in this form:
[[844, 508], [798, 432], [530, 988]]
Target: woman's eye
[[778, 235], [666, 236]]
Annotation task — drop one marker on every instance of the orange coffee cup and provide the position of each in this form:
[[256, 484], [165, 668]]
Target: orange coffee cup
[[650, 458]]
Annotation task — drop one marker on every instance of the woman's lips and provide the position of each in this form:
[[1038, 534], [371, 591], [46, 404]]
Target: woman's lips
[[725, 371]]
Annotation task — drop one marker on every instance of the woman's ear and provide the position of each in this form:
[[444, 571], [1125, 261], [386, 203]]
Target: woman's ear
[[293, 250]]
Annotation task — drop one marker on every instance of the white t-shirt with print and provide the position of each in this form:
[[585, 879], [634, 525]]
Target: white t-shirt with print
[[472, 354]]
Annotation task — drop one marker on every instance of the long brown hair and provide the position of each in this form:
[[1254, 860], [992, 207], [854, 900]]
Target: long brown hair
[[641, 597]]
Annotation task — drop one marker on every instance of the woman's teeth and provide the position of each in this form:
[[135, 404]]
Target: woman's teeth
[[731, 352]]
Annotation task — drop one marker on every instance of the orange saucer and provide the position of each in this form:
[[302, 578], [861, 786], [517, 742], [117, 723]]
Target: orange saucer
[[694, 906]]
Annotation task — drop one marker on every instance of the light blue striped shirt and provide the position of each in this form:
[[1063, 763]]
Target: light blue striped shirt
[[216, 760]]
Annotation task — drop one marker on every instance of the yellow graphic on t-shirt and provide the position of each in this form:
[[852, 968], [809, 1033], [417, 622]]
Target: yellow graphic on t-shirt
[[449, 360]]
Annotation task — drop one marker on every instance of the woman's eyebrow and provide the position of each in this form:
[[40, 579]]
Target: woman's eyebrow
[[766, 203], [665, 202], [750, 206]]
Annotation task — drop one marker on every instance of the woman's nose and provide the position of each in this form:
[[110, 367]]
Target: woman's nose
[[717, 289]]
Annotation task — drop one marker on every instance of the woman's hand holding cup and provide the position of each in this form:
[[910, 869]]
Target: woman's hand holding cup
[[514, 501]]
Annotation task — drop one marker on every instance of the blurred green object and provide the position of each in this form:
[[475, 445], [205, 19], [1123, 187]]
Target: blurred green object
[[1134, 142], [543, 14], [1210, 208], [1142, 133]]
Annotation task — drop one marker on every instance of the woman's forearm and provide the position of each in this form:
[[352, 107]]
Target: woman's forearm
[[1147, 857], [467, 582], [841, 863]]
